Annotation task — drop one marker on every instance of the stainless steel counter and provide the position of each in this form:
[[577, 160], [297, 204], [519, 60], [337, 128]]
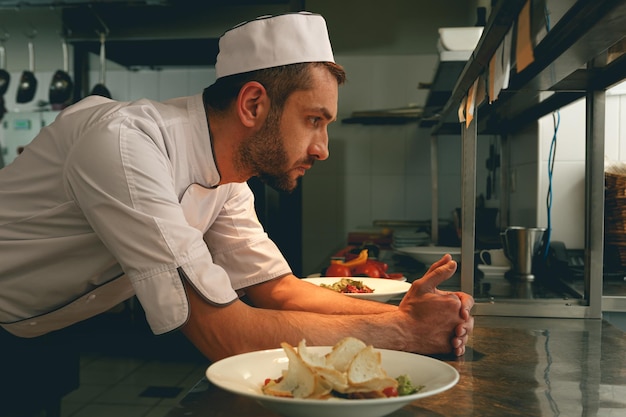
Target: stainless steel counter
[[513, 367]]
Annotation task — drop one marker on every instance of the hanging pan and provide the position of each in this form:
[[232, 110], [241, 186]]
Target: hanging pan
[[100, 89], [61, 86], [28, 83], [5, 77]]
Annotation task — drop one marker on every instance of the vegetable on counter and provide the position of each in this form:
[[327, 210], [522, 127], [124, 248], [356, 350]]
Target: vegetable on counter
[[359, 260], [360, 266]]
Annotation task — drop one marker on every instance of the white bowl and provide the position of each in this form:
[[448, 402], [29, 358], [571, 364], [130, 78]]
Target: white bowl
[[384, 289], [460, 38], [428, 255], [244, 375], [493, 271]]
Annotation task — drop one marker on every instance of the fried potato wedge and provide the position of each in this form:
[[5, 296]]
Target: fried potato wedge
[[351, 368], [299, 381], [338, 380], [310, 358], [365, 372], [343, 353]]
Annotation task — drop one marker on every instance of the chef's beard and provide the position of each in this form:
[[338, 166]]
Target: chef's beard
[[264, 153]]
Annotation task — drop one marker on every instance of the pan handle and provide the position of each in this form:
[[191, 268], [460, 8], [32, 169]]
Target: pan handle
[[31, 56], [31, 48], [3, 52], [66, 61], [102, 58]]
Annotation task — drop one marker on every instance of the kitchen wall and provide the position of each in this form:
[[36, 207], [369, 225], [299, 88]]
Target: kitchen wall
[[374, 172], [530, 150]]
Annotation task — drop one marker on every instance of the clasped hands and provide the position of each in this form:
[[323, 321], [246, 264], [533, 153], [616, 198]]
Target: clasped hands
[[442, 315]]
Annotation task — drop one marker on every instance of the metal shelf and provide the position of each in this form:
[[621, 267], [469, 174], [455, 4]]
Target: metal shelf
[[500, 21], [587, 29], [571, 62], [446, 75]]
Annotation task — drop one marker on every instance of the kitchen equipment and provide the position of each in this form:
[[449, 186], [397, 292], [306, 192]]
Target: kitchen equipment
[[494, 282], [457, 43], [494, 257], [61, 86], [28, 83], [404, 238], [5, 77], [523, 246], [100, 89], [428, 255]]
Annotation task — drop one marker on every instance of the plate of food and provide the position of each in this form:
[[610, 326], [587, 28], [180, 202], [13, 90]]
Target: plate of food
[[376, 289], [350, 379]]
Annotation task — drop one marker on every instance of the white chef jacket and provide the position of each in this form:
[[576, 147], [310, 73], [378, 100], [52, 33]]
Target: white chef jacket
[[113, 199]]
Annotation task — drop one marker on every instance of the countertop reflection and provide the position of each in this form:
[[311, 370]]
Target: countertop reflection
[[513, 367]]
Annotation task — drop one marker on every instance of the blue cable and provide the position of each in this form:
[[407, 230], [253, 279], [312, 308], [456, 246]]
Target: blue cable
[[556, 117]]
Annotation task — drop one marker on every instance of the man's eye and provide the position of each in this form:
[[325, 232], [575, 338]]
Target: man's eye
[[315, 120]]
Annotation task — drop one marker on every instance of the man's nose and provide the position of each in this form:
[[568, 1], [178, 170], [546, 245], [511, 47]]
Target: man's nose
[[319, 149]]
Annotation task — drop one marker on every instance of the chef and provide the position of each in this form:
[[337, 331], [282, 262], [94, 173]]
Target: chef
[[149, 199]]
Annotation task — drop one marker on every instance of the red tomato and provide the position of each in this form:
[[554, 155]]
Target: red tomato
[[390, 392], [381, 265], [369, 270], [338, 270]]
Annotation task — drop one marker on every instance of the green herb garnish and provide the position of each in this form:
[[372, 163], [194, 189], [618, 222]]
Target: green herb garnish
[[406, 387]]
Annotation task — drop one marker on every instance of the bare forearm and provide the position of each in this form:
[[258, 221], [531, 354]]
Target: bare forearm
[[291, 293], [288, 310], [238, 328]]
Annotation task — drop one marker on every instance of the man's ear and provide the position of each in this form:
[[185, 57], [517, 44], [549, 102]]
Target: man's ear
[[252, 104]]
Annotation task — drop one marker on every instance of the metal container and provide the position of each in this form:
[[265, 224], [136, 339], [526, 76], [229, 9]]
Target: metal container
[[522, 246]]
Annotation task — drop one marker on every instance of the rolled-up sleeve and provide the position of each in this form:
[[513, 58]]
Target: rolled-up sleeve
[[236, 240]]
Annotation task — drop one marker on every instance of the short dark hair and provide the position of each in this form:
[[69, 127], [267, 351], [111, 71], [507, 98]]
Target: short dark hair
[[279, 82]]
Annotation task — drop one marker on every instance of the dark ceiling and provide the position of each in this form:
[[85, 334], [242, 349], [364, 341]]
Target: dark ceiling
[[150, 33], [72, 3]]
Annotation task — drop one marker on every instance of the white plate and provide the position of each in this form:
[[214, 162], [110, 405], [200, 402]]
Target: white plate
[[410, 238], [402, 278], [491, 270], [384, 289], [428, 255], [244, 375]]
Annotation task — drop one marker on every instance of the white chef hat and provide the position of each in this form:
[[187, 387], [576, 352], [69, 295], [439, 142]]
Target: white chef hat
[[271, 41]]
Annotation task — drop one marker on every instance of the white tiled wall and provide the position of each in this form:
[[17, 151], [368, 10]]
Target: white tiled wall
[[377, 172], [124, 85], [568, 180], [528, 205], [158, 85]]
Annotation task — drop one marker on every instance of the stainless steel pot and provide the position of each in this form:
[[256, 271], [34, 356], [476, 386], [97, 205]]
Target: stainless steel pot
[[521, 245]]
